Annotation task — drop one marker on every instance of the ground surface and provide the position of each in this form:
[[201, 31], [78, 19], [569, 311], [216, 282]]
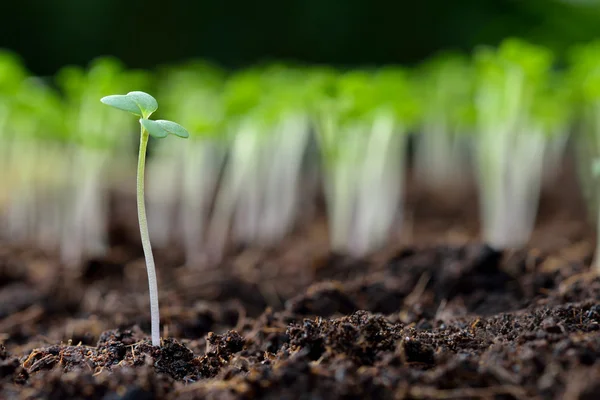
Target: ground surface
[[438, 315]]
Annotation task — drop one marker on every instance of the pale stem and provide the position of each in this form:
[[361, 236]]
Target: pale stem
[[141, 206]]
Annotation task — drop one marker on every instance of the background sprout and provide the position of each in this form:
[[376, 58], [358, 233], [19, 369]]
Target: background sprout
[[12, 75], [268, 117], [241, 101], [33, 158], [361, 133], [143, 105], [286, 117], [445, 89], [191, 93], [268, 122], [584, 78], [40, 147], [511, 142], [553, 112]]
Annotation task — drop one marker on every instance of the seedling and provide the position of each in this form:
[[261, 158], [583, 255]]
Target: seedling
[[441, 152], [519, 113], [361, 133], [190, 93], [143, 105]]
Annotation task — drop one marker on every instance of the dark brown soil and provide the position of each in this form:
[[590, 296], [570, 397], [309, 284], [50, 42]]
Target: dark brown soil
[[437, 315]]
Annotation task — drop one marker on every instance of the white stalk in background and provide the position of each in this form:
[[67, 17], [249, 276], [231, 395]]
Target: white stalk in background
[[247, 210], [21, 210], [162, 186], [203, 161], [282, 167], [440, 154], [52, 181], [84, 231], [441, 146], [85, 218], [342, 187], [510, 167], [260, 185], [587, 147], [381, 181], [510, 156], [311, 177], [364, 178], [239, 171]]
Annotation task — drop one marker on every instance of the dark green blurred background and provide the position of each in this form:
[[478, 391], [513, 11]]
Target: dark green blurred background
[[143, 33]]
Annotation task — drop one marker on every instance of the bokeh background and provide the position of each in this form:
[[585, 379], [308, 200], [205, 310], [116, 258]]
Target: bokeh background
[[49, 34]]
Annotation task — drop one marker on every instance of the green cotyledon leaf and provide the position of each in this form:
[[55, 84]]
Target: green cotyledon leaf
[[137, 103], [162, 128]]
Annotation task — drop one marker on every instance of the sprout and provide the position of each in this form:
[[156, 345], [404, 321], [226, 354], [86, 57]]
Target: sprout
[[515, 122], [446, 88], [12, 77], [362, 126], [33, 163], [143, 105], [39, 148], [191, 93], [584, 77], [268, 118]]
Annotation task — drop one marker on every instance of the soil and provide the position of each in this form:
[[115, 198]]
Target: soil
[[436, 315]]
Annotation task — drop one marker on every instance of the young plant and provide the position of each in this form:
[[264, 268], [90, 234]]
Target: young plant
[[267, 112], [190, 93], [584, 75], [143, 105], [12, 75], [362, 136], [286, 133], [516, 121], [446, 84]]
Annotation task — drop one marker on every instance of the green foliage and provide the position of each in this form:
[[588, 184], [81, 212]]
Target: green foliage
[[242, 93], [584, 72], [553, 104], [446, 89], [38, 112], [510, 81], [12, 73], [534, 61], [192, 94]]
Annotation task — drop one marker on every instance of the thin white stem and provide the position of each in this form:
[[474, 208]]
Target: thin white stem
[[378, 199], [238, 172], [141, 206]]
